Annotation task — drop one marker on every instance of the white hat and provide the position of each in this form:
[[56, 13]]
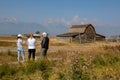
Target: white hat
[[19, 35], [44, 33]]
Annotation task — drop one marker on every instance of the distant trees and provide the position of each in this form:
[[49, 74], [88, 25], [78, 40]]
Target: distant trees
[[37, 32]]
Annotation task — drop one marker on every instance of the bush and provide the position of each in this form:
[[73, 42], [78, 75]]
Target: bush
[[114, 60], [99, 61], [42, 65], [80, 68], [5, 69]]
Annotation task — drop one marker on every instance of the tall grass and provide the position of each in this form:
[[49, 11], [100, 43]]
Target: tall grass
[[8, 56], [69, 65], [7, 44], [6, 70], [91, 63], [43, 67]]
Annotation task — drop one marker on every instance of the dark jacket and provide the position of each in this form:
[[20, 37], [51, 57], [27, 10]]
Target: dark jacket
[[45, 43]]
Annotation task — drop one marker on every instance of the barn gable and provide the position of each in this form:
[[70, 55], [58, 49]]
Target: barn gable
[[81, 33], [80, 28]]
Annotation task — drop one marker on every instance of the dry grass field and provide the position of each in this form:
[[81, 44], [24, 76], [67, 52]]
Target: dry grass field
[[65, 61]]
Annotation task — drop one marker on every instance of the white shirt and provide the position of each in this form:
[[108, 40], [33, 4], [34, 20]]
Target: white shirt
[[31, 43], [19, 43]]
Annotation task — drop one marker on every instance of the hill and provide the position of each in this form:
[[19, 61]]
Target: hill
[[16, 27]]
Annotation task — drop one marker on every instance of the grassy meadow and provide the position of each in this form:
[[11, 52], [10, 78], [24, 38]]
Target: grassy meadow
[[65, 61]]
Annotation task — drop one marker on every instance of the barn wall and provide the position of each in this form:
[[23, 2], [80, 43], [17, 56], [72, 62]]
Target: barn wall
[[100, 39], [65, 39], [76, 39], [82, 38]]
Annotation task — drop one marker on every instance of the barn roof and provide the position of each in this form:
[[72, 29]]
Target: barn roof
[[98, 35], [68, 35], [75, 30], [79, 28]]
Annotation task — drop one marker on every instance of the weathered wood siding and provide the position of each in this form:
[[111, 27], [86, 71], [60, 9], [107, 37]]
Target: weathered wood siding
[[81, 33]]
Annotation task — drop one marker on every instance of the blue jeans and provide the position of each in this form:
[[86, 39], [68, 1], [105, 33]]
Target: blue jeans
[[21, 51]]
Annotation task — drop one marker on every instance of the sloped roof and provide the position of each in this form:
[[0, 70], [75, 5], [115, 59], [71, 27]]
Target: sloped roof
[[75, 30], [79, 28], [98, 35], [68, 35]]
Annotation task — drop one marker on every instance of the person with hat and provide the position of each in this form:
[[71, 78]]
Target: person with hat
[[44, 44], [20, 48]]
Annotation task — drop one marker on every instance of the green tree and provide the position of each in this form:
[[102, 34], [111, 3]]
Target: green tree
[[37, 32]]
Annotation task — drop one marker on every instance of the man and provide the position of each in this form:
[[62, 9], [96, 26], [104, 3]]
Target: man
[[31, 47], [44, 44]]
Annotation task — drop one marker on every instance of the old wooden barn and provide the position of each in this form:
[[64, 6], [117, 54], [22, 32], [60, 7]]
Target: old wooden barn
[[81, 33]]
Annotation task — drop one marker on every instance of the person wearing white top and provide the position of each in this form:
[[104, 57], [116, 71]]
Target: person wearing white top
[[20, 48], [31, 47]]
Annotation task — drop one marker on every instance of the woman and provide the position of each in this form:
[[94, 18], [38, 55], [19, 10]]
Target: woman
[[20, 48], [31, 47]]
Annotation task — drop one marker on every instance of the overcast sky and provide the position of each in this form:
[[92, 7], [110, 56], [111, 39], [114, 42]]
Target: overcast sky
[[104, 13]]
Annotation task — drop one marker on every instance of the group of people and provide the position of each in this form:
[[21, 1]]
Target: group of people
[[31, 42]]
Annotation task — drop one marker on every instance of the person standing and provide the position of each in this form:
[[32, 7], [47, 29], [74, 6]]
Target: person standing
[[31, 47], [20, 48], [44, 44]]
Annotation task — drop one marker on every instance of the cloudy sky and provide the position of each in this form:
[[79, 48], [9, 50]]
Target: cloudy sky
[[103, 13]]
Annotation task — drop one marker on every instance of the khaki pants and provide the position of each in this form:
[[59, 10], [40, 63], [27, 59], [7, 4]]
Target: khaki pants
[[43, 52]]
